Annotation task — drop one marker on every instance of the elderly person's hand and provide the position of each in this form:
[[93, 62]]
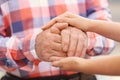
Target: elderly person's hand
[[74, 42], [48, 42], [61, 41]]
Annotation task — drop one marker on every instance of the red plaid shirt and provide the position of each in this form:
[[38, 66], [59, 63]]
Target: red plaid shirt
[[21, 21]]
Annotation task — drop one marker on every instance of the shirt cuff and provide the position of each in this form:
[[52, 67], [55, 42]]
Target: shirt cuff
[[32, 43]]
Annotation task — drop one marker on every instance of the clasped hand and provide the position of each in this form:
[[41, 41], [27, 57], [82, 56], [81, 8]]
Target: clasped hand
[[61, 40]]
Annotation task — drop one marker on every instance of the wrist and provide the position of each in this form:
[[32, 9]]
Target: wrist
[[85, 68], [91, 25], [36, 34], [37, 45], [82, 65]]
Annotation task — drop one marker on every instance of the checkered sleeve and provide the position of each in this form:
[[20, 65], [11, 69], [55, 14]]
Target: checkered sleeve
[[98, 9], [16, 52]]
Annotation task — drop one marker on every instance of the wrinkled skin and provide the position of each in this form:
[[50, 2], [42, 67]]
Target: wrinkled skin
[[60, 42]]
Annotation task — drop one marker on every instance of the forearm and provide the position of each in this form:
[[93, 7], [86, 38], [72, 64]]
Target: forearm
[[107, 29], [106, 65]]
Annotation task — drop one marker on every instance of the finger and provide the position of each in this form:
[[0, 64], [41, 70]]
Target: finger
[[64, 20], [66, 17], [52, 22], [56, 28], [83, 52], [53, 53], [57, 38], [57, 63], [65, 39], [55, 58], [73, 43], [49, 24], [55, 42], [69, 15], [82, 46], [55, 20], [58, 54], [79, 47], [56, 46], [85, 45]]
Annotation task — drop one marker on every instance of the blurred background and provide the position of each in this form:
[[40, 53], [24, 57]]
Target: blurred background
[[114, 6]]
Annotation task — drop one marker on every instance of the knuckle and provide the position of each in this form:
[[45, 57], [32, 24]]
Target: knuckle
[[67, 30]]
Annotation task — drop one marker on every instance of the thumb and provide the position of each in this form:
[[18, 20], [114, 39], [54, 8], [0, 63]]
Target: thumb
[[49, 24], [55, 58], [56, 61], [56, 28], [57, 64]]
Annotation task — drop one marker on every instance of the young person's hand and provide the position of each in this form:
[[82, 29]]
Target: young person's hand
[[69, 63], [73, 20]]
